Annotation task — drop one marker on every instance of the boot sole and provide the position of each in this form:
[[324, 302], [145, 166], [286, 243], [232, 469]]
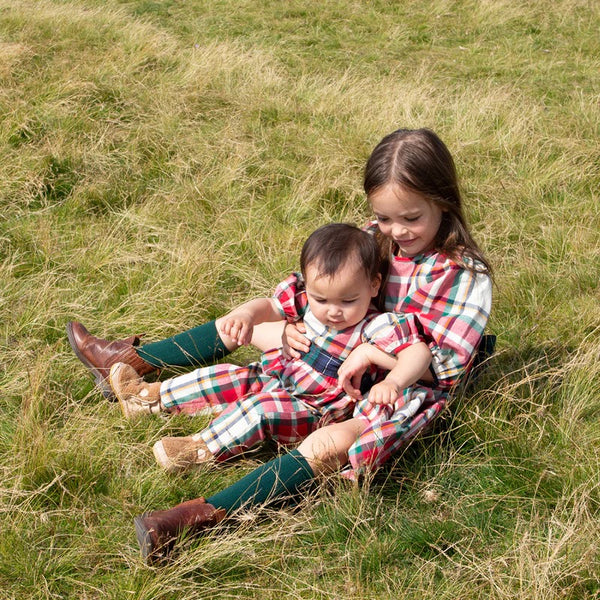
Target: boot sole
[[163, 460], [100, 381], [149, 552]]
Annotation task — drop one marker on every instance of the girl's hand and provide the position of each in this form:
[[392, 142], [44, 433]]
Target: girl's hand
[[352, 370], [238, 326], [384, 392], [294, 340]]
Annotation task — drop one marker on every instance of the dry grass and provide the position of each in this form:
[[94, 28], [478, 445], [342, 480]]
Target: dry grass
[[162, 161]]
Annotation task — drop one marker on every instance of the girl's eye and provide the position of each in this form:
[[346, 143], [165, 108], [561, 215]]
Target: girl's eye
[[382, 219], [412, 219]]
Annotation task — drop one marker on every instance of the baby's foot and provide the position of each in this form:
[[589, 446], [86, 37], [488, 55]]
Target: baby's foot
[[135, 396], [181, 453]]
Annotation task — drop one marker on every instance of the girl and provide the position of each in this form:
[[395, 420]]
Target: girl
[[279, 398], [439, 285]]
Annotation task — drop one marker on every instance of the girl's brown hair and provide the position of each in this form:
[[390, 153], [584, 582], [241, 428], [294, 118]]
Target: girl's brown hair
[[418, 160]]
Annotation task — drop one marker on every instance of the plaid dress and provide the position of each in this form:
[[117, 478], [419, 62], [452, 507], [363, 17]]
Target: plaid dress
[[279, 398], [447, 307]]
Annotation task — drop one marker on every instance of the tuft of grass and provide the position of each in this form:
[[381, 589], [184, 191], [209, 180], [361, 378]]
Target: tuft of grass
[[164, 161]]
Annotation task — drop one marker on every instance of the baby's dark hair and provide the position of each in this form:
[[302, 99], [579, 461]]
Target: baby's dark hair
[[329, 248]]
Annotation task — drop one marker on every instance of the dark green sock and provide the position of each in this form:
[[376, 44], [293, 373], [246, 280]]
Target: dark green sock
[[192, 348], [280, 478]]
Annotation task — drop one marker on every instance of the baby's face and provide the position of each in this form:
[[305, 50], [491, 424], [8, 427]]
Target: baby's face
[[342, 300]]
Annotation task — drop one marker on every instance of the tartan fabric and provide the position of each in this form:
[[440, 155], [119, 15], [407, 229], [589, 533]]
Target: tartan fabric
[[276, 415], [447, 307], [391, 427], [321, 361], [443, 305], [210, 390], [249, 394], [432, 300]]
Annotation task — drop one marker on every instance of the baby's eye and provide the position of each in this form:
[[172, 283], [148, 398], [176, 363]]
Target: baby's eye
[[349, 301]]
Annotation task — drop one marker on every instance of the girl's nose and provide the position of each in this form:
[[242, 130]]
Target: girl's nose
[[398, 231]]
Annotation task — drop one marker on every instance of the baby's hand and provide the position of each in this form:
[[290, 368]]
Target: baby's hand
[[352, 370], [238, 326], [384, 392], [294, 341]]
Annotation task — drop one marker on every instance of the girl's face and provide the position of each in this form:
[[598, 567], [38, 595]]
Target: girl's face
[[342, 300], [407, 217]]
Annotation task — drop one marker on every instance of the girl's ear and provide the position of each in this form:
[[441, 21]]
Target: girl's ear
[[375, 285]]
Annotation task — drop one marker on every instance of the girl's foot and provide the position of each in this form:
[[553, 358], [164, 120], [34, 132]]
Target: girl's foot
[[157, 531], [177, 454], [136, 397], [99, 355]]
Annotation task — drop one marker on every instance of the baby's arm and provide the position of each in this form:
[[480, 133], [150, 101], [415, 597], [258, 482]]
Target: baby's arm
[[407, 367], [238, 325], [411, 364]]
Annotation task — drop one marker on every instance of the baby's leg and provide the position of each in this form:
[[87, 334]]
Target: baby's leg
[[267, 415], [210, 390], [326, 449]]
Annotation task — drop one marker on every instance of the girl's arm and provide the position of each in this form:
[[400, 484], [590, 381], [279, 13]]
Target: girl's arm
[[238, 325], [406, 368]]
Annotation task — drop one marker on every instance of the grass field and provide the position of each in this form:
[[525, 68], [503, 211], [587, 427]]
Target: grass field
[[163, 160]]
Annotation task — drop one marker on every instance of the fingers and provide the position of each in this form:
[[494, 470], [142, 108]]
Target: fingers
[[238, 330], [382, 393], [350, 383], [294, 341]]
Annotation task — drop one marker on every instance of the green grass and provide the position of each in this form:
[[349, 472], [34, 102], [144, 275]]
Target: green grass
[[162, 161]]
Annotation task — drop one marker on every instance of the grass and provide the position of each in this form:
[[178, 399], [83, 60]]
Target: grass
[[163, 161]]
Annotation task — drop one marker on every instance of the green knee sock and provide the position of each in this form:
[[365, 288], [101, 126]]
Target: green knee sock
[[279, 478], [196, 347]]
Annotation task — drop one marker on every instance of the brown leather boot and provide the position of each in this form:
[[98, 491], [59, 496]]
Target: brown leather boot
[[157, 531], [99, 355]]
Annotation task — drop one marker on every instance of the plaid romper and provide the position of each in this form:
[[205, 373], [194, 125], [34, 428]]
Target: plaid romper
[[278, 398], [447, 307]]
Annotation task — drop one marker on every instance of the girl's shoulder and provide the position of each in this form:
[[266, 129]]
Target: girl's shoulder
[[434, 266]]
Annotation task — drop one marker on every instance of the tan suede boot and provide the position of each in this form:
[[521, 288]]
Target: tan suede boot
[[157, 531], [136, 397], [176, 454]]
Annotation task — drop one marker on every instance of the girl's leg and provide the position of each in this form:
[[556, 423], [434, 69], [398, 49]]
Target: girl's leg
[[281, 478], [204, 345], [201, 345]]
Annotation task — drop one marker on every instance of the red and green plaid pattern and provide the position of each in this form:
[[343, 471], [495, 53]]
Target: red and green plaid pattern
[[279, 398], [445, 306]]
